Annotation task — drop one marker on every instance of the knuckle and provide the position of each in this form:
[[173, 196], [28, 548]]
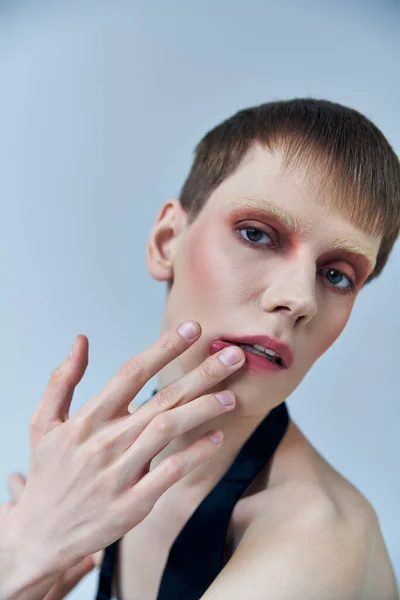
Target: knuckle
[[168, 397], [95, 447], [58, 373], [97, 456], [167, 342], [132, 369], [62, 376], [209, 369], [164, 425], [175, 466], [78, 429]]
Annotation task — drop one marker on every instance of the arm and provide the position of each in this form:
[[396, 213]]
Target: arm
[[313, 557]]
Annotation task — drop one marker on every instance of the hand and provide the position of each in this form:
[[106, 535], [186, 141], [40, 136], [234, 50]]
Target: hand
[[89, 481], [72, 576]]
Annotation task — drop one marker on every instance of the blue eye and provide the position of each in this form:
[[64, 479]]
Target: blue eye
[[350, 287], [258, 231], [334, 273]]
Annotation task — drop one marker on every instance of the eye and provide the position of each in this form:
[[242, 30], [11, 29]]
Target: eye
[[336, 277], [335, 273], [254, 233]]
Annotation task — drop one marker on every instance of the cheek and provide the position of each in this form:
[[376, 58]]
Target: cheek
[[198, 262], [207, 267], [331, 336]]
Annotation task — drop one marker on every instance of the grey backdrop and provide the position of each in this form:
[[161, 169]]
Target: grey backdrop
[[101, 106]]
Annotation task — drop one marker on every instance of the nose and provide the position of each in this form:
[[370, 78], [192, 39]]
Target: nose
[[291, 290]]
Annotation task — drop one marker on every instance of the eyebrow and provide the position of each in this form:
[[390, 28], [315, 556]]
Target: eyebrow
[[297, 226]]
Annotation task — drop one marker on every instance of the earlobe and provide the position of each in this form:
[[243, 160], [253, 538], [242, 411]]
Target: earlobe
[[162, 241]]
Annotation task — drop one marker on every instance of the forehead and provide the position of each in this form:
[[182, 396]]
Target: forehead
[[264, 169], [296, 196]]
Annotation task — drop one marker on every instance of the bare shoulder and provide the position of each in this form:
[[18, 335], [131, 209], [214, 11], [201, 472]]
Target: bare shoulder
[[307, 497], [379, 579]]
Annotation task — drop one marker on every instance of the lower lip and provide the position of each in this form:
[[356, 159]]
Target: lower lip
[[254, 361]]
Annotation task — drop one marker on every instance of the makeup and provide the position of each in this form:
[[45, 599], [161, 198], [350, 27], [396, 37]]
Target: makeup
[[254, 361]]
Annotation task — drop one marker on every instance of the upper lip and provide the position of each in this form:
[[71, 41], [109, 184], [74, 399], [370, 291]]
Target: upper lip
[[284, 350]]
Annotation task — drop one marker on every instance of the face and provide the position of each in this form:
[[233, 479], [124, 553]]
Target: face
[[240, 269]]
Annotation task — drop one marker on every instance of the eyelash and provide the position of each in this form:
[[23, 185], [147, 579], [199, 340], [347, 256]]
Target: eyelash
[[349, 290]]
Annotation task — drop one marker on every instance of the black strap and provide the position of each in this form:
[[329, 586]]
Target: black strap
[[196, 556]]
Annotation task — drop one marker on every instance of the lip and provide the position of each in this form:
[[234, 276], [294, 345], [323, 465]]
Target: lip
[[254, 362], [284, 350]]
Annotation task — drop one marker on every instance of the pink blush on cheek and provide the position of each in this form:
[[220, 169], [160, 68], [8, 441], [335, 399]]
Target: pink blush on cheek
[[203, 273]]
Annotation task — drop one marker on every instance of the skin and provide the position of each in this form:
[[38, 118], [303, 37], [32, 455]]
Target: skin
[[275, 287], [70, 578], [104, 489], [219, 282]]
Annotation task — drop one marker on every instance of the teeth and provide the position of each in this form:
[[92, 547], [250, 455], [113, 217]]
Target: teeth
[[255, 349], [267, 350]]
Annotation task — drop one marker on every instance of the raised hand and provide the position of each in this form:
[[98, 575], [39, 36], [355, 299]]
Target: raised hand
[[89, 481], [68, 580]]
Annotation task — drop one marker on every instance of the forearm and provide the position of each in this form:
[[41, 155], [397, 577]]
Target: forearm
[[23, 575]]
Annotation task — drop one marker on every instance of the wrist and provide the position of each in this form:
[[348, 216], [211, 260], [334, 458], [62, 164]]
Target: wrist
[[24, 572]]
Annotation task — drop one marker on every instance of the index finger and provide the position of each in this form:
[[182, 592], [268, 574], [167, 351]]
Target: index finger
[[112, 401]]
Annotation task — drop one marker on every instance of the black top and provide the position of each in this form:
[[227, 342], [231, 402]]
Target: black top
[[196, 557]]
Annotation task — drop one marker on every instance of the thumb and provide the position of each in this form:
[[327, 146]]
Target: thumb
[[15, 486]]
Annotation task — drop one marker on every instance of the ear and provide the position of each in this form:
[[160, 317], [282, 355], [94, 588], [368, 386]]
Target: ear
[[163, 239]]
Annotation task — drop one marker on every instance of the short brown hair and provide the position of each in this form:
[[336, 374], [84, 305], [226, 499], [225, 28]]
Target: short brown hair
[[352, 154]]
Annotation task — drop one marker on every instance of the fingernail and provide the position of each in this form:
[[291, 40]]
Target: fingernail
[[226, 397], [230, 356], [188, 330], [216, 436]]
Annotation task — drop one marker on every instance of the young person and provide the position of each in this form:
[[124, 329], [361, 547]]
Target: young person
[[290, 209]]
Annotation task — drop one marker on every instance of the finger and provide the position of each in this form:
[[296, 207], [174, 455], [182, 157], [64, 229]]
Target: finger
[[98, 558], [113, 439], [183, 390], [164, 428], [55, 403], [114, 398], [144, 494], [15, 486], [70, 579]]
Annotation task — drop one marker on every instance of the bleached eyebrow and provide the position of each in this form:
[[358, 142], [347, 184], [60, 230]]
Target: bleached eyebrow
[[340, 243], [298, 226], [292, 223]]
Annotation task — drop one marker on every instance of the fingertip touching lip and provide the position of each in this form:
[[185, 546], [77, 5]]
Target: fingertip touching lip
[[282, 348]]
